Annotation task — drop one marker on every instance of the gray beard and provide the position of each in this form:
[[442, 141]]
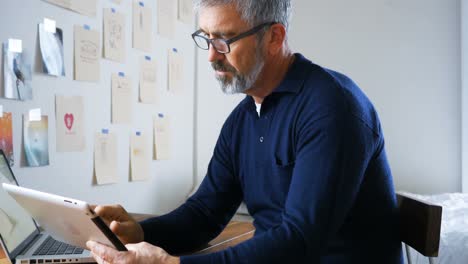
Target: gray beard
[[240, 83]]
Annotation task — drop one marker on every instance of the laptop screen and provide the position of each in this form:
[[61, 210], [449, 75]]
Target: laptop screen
[[16, 225]]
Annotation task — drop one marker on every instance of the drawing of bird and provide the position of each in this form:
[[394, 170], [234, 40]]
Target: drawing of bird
[[19, 76]]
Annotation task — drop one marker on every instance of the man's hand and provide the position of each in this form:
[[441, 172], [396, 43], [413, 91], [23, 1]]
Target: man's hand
[[141, 253], [121, 223]]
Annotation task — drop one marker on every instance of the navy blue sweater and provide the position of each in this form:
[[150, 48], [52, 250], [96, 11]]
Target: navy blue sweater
[[312, 171]]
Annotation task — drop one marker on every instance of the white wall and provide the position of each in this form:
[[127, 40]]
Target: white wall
[[212, 109], [464, 73], [70, 174], [404, 55]]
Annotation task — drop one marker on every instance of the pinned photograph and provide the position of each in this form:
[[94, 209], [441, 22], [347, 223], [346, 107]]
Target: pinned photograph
[[51, 46], [6, 136], [16, 74], [36, 141]]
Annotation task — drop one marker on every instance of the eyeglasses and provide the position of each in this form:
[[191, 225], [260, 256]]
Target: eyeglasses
[[224, 45]]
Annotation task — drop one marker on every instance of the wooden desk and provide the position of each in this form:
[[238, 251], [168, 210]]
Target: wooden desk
[[234, 233]]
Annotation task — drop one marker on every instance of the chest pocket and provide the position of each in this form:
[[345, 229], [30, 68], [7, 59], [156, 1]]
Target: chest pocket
[[282, 173]]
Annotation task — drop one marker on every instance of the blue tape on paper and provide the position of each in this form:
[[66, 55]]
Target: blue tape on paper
[[121, 74], [138, 133], [87, 27], [148, 58], [105, 131], [142, 4], [161, 115], [113, 10], [174, 49]]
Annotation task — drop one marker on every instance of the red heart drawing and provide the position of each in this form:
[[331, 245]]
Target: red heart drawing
[[68, 118]]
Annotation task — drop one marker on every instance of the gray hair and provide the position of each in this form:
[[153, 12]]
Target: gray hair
[[255, 12]]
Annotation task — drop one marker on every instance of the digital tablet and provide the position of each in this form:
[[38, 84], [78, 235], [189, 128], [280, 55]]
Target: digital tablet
[[66, 219]]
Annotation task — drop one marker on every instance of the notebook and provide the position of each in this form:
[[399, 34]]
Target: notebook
[[23, 241]]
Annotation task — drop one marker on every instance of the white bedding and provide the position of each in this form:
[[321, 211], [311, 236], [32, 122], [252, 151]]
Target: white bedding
[[454, 230]]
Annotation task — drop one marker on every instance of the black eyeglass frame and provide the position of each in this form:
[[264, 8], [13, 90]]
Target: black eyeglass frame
[[228, 42]]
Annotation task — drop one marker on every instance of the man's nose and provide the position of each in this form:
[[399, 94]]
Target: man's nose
[[214, 55]]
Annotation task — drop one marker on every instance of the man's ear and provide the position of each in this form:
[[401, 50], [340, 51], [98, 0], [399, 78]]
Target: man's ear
[[276, 38]]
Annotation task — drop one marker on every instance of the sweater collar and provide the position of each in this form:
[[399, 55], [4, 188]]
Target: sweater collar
[[292, 82]]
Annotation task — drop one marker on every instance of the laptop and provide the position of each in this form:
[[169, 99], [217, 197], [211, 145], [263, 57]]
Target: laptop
[[23, 241]]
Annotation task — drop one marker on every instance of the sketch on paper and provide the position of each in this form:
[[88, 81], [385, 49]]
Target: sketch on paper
[[114, 35]]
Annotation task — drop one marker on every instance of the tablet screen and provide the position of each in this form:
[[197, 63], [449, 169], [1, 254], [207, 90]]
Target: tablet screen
[[15, 223]]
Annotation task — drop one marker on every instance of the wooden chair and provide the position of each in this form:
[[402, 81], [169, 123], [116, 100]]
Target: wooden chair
[[420, 223]]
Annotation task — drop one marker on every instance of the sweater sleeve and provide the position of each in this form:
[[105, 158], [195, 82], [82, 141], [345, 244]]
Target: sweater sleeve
[[331, 159], [204, 215]]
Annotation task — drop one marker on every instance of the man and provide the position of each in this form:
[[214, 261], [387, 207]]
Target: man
[[304, 150]]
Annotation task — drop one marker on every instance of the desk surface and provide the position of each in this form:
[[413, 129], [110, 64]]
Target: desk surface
[[234, 233]]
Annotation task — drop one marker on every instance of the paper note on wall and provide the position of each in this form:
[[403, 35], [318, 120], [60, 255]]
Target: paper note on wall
[[166, 18], [70, 123], [185, 11], [122, 111], [142, 26], [87, 54], [162, 137], [175, 71], [114, 35], [148, 80], [140, 157], [105, 158], [85, 7]]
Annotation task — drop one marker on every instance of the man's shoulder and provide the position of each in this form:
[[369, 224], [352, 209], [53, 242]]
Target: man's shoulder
[[327, 81], [328, 90]]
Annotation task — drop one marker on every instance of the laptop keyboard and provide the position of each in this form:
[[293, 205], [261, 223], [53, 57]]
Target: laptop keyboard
[[53, 247]]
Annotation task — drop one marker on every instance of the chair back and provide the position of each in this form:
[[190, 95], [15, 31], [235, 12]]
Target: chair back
[[420, 223]]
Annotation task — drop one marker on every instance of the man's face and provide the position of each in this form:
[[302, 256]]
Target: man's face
[[238, 70]]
